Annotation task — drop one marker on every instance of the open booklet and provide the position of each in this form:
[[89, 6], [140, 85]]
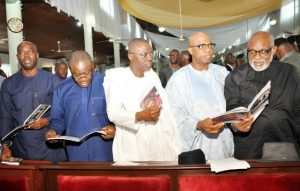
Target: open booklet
[[152, 97], [76, 139], [255, 108], [38, 113]]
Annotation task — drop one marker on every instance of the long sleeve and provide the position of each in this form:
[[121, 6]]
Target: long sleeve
[[119, 111], [5, 114], [57, 114], [193, 97], [185, 120]]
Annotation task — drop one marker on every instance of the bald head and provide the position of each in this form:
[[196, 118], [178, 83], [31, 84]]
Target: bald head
[[80, 56], [26, 43], [261, 39], [198, 38], [134, 43], [81, 67], [201, 49]]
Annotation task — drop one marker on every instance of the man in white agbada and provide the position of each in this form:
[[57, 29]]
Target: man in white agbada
[[142, 134], [196, 94]]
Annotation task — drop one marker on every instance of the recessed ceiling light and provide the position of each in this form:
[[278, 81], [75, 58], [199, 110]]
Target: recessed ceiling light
[[273, 22], [161, 29]]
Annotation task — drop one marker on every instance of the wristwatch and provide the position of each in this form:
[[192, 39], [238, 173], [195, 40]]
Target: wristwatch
[[15, 25]]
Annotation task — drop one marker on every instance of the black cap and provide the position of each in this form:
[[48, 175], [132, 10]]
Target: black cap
[[280, 41], [192, 157]]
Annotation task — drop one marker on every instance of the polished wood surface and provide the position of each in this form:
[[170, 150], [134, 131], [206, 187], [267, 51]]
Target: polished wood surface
[[44, 175]]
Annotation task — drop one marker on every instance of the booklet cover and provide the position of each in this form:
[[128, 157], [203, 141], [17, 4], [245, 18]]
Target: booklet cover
[[152, 97], [255, 108], [76, 139], [35, 115]]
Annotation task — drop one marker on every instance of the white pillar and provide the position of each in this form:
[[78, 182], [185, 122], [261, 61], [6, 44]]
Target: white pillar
[[88, 40], [117, 54], [13, 9]]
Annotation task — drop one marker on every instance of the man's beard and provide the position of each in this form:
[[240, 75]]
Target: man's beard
[[262, 64]]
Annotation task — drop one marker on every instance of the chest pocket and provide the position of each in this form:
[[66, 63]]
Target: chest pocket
[[39, 97], [98, 105]]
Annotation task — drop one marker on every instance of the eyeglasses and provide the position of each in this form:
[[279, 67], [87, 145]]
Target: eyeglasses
[[82, 76], [204, 46], [144, 54], [262, 53]]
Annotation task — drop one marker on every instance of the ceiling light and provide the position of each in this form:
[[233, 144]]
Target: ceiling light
[[161, 29], [167, 49], [181, 38], [273, 22]]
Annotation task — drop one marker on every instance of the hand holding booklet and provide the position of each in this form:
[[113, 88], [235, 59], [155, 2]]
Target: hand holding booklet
[[76, 139], [255, 108], [38, 113]]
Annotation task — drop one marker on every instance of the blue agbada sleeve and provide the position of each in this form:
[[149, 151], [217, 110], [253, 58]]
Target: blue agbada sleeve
[[5, 111], [57, 118]]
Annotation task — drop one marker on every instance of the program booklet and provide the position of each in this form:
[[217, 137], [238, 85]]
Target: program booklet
[[151, 97], [255, 108], [76, 139], [38, 113]]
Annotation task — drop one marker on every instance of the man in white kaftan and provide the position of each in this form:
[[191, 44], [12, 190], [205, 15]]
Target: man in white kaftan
[[196, 94], [141, 134]]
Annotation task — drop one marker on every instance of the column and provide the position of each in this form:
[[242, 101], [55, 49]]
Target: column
[[13, 9], [116, 54], [88, 39]]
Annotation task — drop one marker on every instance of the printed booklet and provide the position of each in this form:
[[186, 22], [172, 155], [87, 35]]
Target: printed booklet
[[35, 115], [151, 97], [76, 139], [255, 108]]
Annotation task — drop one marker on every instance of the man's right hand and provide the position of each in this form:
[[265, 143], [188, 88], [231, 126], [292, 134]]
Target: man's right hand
[[149, 114], [245, 125], [6, 153], [51, 134], [207, 126]]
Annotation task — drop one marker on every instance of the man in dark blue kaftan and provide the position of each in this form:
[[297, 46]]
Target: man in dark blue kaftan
[[79, 107], [20, 95]]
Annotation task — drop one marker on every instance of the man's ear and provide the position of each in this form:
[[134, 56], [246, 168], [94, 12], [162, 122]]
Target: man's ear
[[130, 57], [274, 48], [190, 50]]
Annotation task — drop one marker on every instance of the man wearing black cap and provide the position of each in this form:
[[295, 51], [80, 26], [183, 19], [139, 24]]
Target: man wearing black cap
[[239, 60], [286, 53], [294, 42]]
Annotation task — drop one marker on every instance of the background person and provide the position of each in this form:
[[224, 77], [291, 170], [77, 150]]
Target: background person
[[167, 70], [61, 70]]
